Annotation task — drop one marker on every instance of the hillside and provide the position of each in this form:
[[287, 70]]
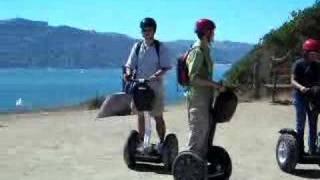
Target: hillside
[[35, 44], [286, 41]]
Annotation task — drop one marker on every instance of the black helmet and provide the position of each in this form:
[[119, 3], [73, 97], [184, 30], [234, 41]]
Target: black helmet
[[148, 22]]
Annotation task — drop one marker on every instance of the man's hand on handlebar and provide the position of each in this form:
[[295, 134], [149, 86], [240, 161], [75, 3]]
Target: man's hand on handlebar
[[154, 78], [127, 77], [304, 89]]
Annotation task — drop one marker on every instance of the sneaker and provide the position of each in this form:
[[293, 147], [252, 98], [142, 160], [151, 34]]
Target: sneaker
[[140, 147], [159, 147], [313, 153]]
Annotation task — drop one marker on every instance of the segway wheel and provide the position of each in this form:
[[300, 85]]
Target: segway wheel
[[187, 166], [130, 149], [219, 163], [170, 150], [287, 152]]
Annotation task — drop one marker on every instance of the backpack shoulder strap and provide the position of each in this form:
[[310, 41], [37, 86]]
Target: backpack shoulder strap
[[201, 49], [137, 50], [157, 46], [156, 43], [190, 50]]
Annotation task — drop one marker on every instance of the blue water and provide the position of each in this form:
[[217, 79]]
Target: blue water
[[51, 88]]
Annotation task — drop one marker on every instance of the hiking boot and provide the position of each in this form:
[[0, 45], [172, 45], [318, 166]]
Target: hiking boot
[[140, 147], [159, 147]]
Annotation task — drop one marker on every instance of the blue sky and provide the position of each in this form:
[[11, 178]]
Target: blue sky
[[237, 20]]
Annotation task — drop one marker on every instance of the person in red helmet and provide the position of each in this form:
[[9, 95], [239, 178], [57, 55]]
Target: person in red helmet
[[201, 87], [305, 74]]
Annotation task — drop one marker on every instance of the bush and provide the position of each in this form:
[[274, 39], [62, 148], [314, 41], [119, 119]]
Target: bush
[[303, 24]]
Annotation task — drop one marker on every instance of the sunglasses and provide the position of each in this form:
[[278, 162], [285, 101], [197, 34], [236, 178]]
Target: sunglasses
[[144, 30], [314, 52]]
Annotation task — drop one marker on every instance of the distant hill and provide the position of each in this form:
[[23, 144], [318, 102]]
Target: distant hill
[[35, 44]]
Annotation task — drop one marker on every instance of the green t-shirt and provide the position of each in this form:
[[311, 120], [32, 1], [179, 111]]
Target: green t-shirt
[[199, 65]]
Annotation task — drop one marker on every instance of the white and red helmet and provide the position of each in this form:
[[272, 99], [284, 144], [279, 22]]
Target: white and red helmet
[[311, 45], [203, 25]]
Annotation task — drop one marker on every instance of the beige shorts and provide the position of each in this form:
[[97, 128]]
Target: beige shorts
[[158, 104]]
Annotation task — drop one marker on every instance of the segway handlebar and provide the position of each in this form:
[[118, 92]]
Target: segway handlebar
[[141, 80]]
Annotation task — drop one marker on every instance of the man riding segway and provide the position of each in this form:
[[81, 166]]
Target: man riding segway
[[305, 80], [146, 65]]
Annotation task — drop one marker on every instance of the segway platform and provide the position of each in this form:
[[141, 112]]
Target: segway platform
[[309, 159], [150, 155], [189, 165], [143, 97], [168, 153], [218, 165]]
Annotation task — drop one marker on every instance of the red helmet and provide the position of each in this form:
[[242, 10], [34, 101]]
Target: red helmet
[[311, 45], [203, 25]]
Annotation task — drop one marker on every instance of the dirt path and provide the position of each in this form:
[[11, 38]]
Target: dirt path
[[72, 146]]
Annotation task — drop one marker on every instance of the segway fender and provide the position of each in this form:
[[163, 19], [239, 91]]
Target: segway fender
[[288, 131], [224, 106]]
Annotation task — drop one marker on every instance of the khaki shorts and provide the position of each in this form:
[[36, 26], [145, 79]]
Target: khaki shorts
[[158, 104]]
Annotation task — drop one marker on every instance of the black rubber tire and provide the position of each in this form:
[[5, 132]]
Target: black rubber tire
[[189, 166], [219, 161], [130, 149], [170, 150], [291, 157]]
